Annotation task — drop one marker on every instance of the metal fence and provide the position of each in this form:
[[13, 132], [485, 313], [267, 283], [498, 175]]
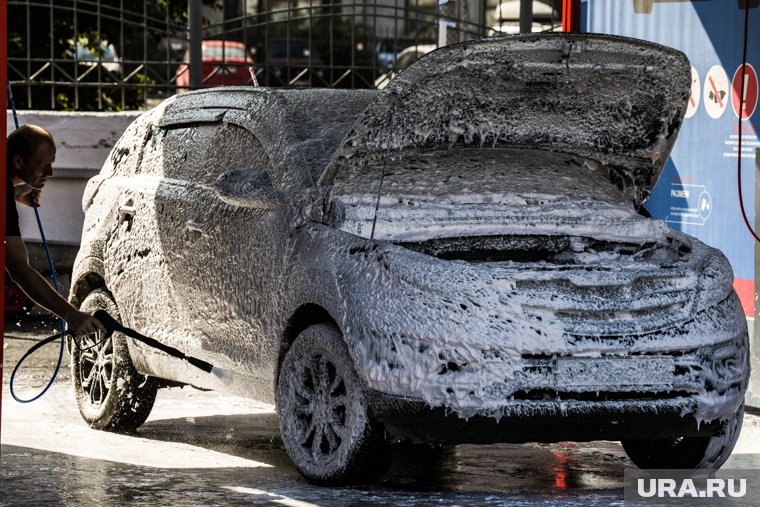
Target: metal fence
[[107, 55]]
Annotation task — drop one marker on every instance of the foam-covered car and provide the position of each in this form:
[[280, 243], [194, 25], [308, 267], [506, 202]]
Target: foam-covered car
[[460, 257]]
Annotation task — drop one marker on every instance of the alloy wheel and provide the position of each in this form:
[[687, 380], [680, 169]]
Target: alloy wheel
[[320, 407], [96, 367]]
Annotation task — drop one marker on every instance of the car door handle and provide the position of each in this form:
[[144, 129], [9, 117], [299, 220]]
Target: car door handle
[[195, 229], [126, 211]]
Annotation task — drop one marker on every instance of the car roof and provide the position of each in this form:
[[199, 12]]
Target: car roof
[[301, 127]]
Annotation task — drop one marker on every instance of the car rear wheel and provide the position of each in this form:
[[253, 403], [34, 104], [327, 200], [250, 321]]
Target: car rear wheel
[[110, 393], [687, 452], [324, 420]]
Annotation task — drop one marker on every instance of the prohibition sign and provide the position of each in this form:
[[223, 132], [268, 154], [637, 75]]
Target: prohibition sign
[[693, 104], [716, 92], [750, 91]]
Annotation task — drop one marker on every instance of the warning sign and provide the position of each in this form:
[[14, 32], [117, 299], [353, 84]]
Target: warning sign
[[749, 90], [696, 87], [716, 92]]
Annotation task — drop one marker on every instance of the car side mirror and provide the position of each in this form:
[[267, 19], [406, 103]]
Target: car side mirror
[[247, 188]]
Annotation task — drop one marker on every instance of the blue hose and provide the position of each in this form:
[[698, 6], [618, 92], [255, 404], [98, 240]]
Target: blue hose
[[55, 284]]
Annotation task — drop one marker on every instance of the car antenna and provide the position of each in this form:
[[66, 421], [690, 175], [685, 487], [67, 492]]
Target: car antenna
[[382, 173]]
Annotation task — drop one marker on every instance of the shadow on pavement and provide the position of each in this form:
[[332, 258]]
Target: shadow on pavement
[[37, 477], [560, 467]]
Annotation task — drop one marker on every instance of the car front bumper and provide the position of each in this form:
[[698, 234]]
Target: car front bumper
[[657, 377], [413, 421]]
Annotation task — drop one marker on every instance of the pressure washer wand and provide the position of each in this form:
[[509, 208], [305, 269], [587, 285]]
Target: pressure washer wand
[[112, 325]]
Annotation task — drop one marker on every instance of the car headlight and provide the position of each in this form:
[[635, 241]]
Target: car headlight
[[716, 280]]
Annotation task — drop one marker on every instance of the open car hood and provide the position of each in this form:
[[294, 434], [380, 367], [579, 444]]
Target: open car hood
[[614, 100]]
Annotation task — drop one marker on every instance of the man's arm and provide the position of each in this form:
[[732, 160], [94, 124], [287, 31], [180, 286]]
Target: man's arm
[[40, 291]]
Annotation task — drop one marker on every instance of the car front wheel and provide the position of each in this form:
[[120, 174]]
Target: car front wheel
[[687, 452], [110, 393], [324, 420]]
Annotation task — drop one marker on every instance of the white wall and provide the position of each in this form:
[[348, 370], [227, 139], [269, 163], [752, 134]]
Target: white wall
[[83, 142]]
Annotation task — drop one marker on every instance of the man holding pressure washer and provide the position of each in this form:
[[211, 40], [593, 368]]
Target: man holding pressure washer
[[29, 162]]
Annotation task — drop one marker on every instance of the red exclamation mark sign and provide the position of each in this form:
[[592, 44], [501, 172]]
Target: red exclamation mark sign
[[746, 94]]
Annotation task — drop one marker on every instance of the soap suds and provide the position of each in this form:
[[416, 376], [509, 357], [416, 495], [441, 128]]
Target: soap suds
[[445, 305]]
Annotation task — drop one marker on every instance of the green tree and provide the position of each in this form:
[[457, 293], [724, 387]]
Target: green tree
[[65, 56]]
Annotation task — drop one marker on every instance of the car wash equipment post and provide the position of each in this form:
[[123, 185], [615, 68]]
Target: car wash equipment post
[[195, 29], [526, 16], [52, 270], [3, 77]]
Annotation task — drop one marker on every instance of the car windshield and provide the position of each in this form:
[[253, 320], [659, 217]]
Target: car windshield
[[478, 191]]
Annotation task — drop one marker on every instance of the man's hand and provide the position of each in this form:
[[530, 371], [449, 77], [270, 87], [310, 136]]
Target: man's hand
[[27, 195], [83, 323]]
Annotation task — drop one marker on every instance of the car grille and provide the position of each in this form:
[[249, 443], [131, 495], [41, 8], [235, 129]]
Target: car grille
[[611, 305]]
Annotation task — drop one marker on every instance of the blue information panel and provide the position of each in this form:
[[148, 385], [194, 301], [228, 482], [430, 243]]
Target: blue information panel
[[698, 190]]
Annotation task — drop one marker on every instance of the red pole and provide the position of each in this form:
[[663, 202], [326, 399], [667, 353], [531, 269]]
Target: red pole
[[3, 100], [571, 15]]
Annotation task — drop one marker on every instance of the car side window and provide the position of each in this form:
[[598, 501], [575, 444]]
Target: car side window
[[199, 153]]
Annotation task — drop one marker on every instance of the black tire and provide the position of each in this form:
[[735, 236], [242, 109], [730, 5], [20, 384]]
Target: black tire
[[324, 420], [687, 452], [110, 393]]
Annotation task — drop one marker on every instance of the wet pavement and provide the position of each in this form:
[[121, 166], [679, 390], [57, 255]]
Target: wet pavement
[[205, 448]]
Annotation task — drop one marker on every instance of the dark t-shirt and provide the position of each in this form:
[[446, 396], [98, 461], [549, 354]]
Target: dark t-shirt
[[11, 213]]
